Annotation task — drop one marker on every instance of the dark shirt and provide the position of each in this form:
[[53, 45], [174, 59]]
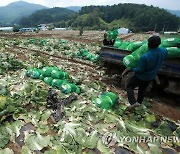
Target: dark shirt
[[149, 63]]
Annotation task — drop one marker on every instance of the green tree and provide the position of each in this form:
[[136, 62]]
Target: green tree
[[62, 24], [51, 27], [142, 17], [15, 28]]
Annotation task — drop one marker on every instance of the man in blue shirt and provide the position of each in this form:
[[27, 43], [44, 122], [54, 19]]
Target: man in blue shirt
[[146, 71]]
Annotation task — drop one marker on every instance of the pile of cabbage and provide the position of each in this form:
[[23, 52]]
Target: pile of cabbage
[[138, 48]]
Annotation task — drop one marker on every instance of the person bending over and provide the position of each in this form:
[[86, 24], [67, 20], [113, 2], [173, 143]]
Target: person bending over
[[146, 71], [107, 42]]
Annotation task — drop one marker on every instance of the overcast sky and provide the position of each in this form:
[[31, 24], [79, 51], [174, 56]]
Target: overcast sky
[[167, 4]]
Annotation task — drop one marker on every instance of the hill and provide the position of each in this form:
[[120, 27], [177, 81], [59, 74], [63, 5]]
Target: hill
[[45, 16], [13, 12], [175, 12], [136, 17], [133, 16]]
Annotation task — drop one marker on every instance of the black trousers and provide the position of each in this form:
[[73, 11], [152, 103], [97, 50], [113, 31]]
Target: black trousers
[[142, 85]]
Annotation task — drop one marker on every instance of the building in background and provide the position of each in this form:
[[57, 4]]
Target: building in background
[[123, 31], [30, 29], [6, 29], [43, 27], [59, 29]]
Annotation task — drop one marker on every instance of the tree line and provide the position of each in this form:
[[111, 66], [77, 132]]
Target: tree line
[[133, 16]]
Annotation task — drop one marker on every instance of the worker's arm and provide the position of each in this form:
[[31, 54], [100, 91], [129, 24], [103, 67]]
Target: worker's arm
[[141, 65], [125, 71]]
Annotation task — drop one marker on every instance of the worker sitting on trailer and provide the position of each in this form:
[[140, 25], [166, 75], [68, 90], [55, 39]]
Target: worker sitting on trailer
[[107, 42], [146, 71]]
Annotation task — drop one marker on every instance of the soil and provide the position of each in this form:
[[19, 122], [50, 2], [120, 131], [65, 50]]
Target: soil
[[15, 147], [166, 110], [70, 35], [19, 55]]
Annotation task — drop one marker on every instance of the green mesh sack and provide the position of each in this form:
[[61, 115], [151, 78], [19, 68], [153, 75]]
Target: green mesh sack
[[103, 102], [34, 73], [162, 40], [41, 77], [84, 52], [46, 71], [114, 98], [124, 45], [57, 74], [171, 42], [140, 51], [112, 35], [117, 43], [133, 59], [115, 34], [29, 71], [48, 80], [145, 42], [173, 52], [129, 61], [134, 46], [94, 58], [43, 42], [90, 56], [77, 54], [57, 83], [68, 88], [106, 100]]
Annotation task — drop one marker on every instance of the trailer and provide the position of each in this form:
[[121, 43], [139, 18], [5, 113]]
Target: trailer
[[168, 78]]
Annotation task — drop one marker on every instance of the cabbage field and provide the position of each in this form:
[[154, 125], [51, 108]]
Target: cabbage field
[[40, 115]]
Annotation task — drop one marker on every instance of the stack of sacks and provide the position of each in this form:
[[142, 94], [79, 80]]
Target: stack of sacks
[[55, 77]]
